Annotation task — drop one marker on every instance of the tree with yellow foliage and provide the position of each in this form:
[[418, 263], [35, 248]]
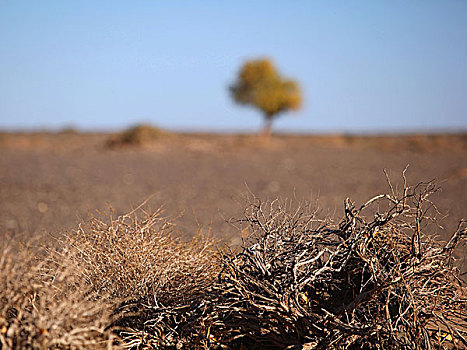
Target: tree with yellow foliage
[[260, 85]]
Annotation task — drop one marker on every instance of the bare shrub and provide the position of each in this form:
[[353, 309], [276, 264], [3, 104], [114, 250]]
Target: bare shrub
[[373, 281]]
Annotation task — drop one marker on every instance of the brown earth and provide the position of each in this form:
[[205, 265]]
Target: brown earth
[[50, 182]]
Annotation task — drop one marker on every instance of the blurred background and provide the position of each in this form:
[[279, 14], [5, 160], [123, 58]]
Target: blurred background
[[384, 86], [364, 66]]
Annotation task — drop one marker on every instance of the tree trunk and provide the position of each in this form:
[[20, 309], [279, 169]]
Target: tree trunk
[[267, 127]]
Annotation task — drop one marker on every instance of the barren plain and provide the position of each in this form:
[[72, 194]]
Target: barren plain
[[49, 182]]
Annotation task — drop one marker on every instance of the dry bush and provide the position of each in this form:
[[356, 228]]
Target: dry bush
[[136, 256], [136, 136], [371, 281], [81, 292], [42, 308]]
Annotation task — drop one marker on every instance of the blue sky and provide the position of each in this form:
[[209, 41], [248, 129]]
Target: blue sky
[[363, 65]]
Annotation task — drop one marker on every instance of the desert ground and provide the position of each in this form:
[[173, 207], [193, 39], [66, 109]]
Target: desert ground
[[50, 182]]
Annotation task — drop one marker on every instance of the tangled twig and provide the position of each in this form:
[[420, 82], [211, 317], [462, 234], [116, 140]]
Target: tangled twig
[[374, 280]]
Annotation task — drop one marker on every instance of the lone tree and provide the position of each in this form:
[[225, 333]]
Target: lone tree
[[260, 85]]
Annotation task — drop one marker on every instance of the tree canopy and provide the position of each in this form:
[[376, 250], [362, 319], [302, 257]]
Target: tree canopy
[[260, 85]]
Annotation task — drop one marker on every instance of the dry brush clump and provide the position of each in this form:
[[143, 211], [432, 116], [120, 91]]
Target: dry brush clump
[[136, 262], [42, 307], [137, 256], [81, 292], [373, 281]]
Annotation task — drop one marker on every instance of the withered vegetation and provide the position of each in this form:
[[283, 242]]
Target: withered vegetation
[[373, 280], [66, 296], [137, 256], [45, 308]]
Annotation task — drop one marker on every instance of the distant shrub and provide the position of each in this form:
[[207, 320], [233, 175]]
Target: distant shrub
[[69, 130], [137, 136]]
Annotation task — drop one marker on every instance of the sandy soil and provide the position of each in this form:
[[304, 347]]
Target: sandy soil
[[50, 182]]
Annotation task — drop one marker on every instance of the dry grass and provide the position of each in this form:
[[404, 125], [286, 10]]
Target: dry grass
[[67, 296], [137, 256], [45, 308]]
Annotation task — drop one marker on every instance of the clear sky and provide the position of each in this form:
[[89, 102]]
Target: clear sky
[[363, 65]]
